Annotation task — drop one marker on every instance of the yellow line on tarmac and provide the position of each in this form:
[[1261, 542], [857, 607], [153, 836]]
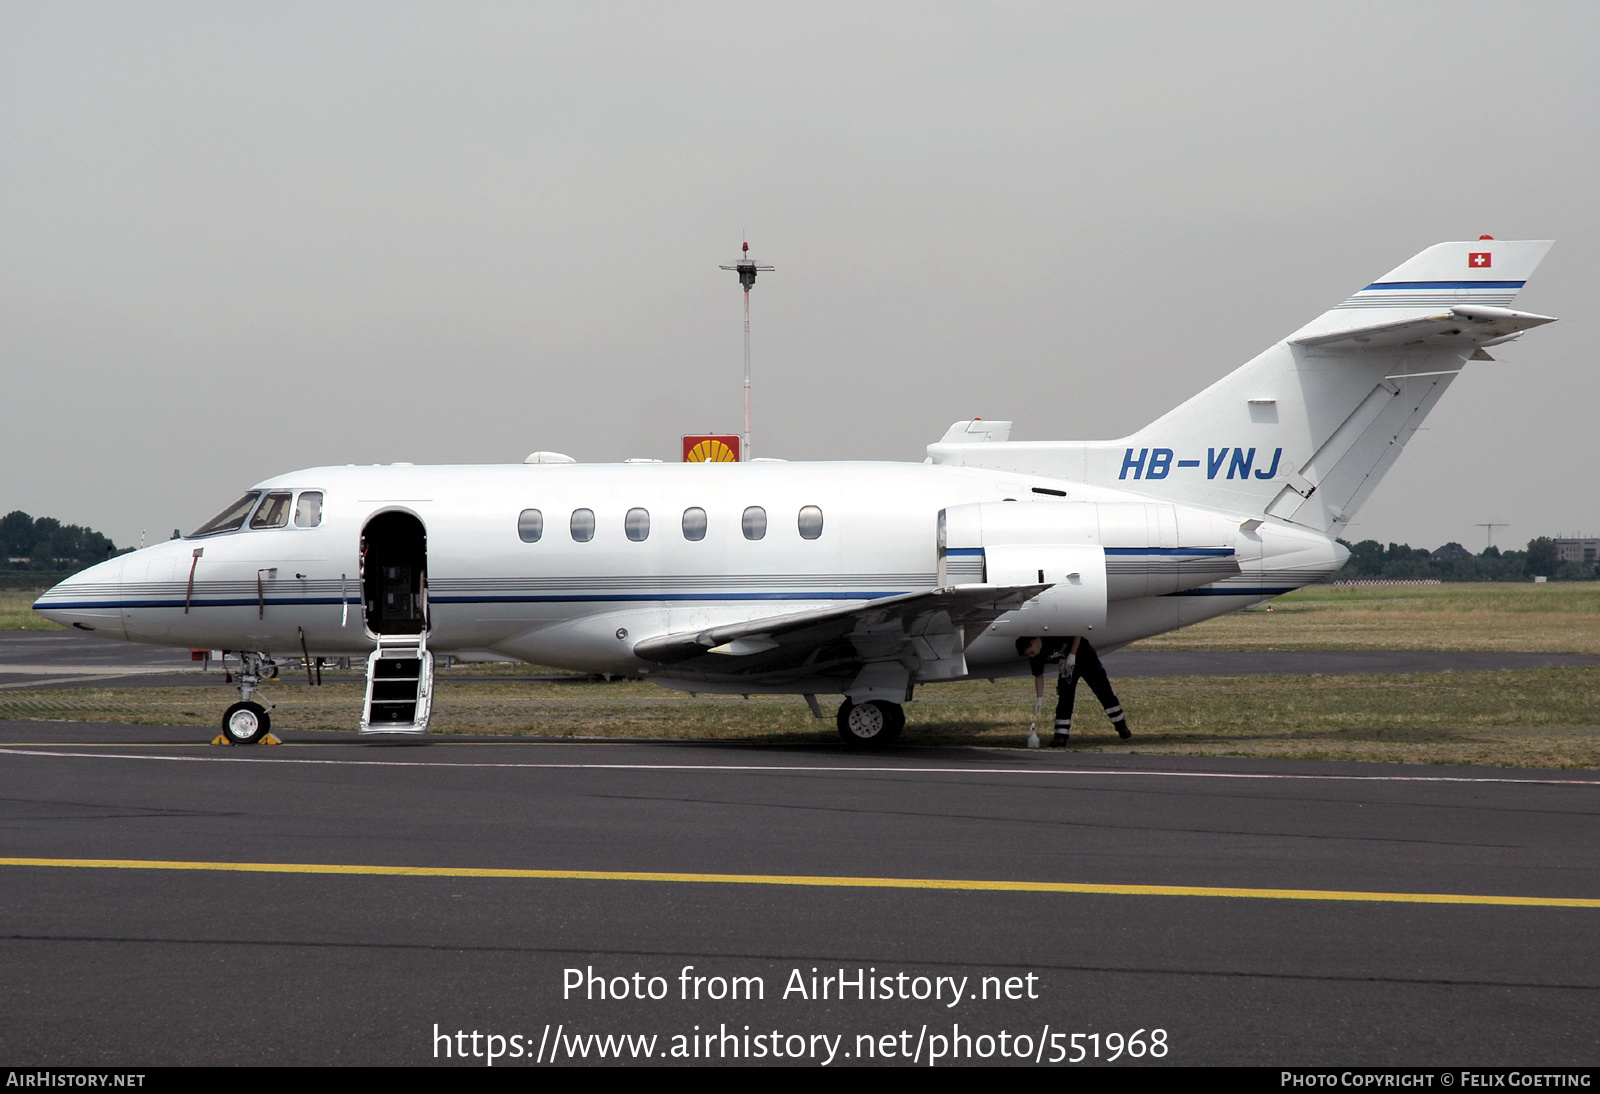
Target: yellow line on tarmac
[[811, 881]]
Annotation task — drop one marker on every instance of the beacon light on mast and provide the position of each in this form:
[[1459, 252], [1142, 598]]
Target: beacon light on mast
[[747, 269]]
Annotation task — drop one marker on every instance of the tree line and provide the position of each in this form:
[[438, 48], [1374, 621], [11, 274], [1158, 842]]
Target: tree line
[[1370, 559], [44, 543]]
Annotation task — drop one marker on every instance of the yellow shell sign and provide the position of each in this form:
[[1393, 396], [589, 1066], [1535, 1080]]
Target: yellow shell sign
[[706, 448]]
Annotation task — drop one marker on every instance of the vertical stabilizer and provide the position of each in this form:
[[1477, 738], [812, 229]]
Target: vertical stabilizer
[[1306, 430]]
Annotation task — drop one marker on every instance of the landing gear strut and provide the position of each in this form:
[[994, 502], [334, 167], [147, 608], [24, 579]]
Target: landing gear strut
[[872, 724], [247, 722]]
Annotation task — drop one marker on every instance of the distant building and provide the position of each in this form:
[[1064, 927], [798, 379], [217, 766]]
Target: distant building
[[1586, 551], [1450, 552]]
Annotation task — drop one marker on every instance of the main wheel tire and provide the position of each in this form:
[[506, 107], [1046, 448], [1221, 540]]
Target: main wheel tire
[[897, 722], [872, 724], [245, 723]]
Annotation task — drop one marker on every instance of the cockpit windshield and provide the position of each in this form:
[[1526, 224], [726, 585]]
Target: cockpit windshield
[[274, 511], [230, 519]]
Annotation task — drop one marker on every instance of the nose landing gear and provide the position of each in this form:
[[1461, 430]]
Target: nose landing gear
[[247, 722]]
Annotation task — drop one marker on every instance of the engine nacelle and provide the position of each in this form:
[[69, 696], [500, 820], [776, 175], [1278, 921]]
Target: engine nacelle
[[1074, 604], [1091, 553]]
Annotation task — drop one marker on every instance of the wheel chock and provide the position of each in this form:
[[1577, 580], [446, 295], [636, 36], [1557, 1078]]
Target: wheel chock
[[222, 739]]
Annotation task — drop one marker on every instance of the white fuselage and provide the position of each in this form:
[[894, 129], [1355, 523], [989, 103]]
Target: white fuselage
[[583, 605]]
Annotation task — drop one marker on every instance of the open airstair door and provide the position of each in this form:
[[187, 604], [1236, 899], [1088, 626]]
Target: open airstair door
[[399, 686], [394, 582]]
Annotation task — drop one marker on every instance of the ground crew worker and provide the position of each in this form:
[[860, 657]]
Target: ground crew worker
[[1078, 660]]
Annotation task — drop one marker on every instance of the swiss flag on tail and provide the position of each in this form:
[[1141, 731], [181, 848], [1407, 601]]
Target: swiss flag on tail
[[1479, 260]]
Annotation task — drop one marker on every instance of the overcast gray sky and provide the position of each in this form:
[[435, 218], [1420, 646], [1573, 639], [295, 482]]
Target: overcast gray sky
[[238, 239]]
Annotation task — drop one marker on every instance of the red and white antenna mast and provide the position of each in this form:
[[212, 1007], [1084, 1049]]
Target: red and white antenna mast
[[746, 268]]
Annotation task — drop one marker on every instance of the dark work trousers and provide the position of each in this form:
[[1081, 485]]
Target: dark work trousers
[[1088, 668]]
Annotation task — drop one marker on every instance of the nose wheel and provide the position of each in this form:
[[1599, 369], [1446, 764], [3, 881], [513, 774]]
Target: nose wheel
[[246, 723], [872, 724]]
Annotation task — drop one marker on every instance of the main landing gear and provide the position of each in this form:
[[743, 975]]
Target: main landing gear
[[871, 724], [247, 722]]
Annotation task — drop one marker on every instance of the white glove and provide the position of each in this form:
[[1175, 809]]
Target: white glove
[[1038, 706], [1068, 663]]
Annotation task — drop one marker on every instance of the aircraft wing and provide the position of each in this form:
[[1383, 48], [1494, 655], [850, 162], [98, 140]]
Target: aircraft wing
[[1466, 325], [914, 627]]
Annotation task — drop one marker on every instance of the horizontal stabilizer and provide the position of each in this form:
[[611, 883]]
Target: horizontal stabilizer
[[1466, 325], [915, 627]]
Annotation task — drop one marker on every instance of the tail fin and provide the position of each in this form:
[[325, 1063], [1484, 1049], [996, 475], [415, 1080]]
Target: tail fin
[[1305, 431]]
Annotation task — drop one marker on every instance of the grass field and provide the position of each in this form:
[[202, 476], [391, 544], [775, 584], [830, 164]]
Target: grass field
[[1536, 718], [1562, 617], [17, 614]]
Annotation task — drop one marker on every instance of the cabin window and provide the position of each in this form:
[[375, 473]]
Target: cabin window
[[754, 523], [273, 512], [230, 519], [583, 525], [530, 525], [637, 525], [810, 522], [308, 510], [694, 523]]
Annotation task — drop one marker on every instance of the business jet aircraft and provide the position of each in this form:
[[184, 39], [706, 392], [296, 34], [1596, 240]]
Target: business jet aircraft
[[854, 579]]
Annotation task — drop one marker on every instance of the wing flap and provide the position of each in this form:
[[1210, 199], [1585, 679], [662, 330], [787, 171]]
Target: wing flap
[[837, 641]]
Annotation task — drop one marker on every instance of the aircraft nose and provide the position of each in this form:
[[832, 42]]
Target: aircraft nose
[[90, 600]]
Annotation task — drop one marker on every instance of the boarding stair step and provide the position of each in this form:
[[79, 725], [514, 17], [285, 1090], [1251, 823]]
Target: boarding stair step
[[399, 686]]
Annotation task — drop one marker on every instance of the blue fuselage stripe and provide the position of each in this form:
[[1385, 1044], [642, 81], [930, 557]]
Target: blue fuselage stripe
[[1213, 552], [576, 598], [1403, 285], [1236, 592], [580, 598], [1127, 551], [197, 602]]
